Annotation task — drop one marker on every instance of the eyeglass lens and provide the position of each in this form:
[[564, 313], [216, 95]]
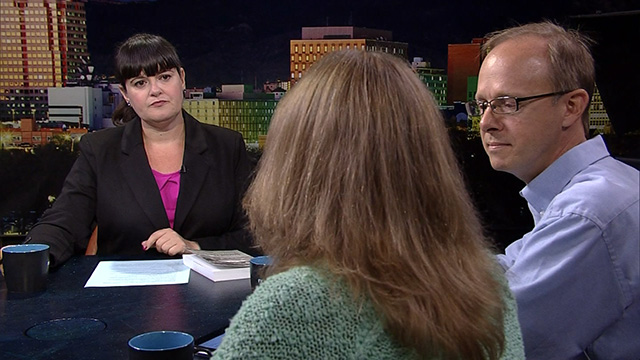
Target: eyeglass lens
[[502, 105]]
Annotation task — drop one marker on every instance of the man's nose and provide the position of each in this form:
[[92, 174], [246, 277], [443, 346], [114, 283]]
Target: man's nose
[[488, 121]]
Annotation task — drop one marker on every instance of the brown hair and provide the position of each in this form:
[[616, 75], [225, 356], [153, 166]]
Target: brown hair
[[571, 63], [358, 175], [147, 53]]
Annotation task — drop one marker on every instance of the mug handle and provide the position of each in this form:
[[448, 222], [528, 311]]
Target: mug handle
[[201, 352]]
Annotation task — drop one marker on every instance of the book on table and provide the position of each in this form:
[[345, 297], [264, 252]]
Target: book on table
[[219, 265]]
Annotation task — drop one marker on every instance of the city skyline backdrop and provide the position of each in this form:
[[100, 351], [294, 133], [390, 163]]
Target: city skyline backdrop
[[247, 41]]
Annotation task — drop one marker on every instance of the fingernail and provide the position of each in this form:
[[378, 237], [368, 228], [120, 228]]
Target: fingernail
[[144, 248]]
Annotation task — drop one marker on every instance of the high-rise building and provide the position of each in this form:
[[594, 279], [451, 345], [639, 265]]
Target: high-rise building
[[317, 41], [598, 117], [463, 62], [43, 43], [205, 110], [236, 107], [435, 79]]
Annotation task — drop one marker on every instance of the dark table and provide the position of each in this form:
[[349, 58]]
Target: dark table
[[104, 319]]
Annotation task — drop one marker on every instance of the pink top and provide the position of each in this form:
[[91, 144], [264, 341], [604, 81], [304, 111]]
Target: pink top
[[169, 185]]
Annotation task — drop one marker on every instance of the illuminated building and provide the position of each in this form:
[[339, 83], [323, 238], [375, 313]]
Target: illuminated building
[[435, 79], [42, 44], [317, 41], [236, 107], [463, 62], [29, 134], [205, 110], [598, 117]]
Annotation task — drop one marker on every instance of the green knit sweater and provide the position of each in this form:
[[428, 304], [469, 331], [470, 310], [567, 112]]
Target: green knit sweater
[[302, 314]]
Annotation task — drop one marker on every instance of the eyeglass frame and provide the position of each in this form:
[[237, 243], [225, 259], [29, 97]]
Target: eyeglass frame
[[484, 104]]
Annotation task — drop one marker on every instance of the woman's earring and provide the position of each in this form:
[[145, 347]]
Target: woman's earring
[[128, 103]]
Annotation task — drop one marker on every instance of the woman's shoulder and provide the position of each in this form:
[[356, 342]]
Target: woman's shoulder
[[514, 348], [103, 136], [210, 129], [304, 290], [307, 313], [297, 279]]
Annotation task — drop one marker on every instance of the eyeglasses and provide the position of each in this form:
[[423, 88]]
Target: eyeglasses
[[504, 104]]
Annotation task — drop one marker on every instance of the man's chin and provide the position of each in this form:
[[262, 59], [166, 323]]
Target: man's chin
[[499, 165]]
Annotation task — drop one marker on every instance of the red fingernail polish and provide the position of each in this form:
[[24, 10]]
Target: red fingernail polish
[[144, 248]]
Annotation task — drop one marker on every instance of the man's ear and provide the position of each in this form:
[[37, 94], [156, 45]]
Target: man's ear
[[576, 104]]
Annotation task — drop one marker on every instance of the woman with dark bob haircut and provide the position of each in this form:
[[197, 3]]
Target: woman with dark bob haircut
[[377, 250], [161, 181]]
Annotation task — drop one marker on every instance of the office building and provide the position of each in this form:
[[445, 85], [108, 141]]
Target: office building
[[463, 62], [42, 44], [435, 79], [598, 117], [236, 107], [205, 110], [317, 41], [30, 134], [278, 85], [78, 106]]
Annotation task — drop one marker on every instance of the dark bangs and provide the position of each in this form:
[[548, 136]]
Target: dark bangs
[[146, 53]]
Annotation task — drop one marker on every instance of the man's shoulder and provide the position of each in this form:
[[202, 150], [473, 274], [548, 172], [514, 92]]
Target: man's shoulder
[[600, 191], [604, 179]]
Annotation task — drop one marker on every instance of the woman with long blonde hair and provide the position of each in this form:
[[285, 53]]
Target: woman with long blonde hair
[[378, 251]]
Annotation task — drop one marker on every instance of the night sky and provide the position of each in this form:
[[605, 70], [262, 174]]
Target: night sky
[[247, 41]]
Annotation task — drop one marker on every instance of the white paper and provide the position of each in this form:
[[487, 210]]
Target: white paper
[[139, 273]]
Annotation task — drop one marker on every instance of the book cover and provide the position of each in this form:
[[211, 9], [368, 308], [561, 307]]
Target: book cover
[[219, 265]]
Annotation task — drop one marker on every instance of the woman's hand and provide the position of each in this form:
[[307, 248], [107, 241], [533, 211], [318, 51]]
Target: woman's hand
[[169, 242]]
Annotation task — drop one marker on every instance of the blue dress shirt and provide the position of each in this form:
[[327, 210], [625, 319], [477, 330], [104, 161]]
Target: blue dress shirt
[[576, 275]]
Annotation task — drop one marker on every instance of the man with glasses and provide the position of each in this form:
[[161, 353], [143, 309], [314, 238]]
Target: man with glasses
[[576, 275]]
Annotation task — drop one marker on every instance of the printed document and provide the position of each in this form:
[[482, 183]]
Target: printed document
[[139, 273]]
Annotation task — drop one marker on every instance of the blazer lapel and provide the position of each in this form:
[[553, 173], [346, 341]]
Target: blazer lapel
[[195, 169], [137, 174]]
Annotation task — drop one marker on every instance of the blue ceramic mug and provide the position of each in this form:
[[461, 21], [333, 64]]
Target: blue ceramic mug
[[26, 267], [161, 345], [258, 267]]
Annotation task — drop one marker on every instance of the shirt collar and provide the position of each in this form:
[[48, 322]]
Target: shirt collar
[[544, 187]]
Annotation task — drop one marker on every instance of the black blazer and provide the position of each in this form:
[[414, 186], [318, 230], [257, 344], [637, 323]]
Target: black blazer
[[111, 184]]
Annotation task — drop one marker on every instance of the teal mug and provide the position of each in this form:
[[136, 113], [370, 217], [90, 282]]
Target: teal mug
[[258, 267], [161, 345]]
